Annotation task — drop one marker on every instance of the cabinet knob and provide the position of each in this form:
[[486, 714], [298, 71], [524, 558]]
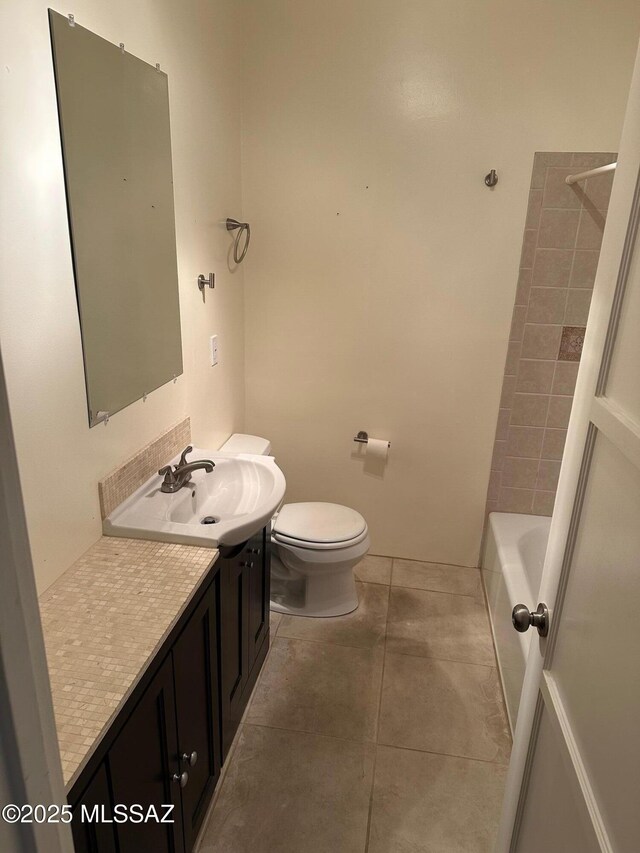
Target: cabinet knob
[[191, 758], [183, 778], [247, 565], [256, 551]]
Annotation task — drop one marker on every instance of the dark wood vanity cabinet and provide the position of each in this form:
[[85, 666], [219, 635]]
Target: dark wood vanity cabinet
[[196, 673], [95, 836], [244, 579], [142, 763], [259, 559], [167, 745]]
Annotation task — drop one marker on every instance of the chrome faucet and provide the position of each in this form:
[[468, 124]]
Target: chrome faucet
[[178, 476]]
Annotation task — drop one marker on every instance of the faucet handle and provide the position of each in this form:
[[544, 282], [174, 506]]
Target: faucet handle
[[169, 476], [183, 457]]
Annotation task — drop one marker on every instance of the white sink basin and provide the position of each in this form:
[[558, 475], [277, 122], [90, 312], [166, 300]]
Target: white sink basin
[[241, 494]]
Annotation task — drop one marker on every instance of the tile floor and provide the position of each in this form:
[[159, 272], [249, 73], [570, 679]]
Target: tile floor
[[382, 731]]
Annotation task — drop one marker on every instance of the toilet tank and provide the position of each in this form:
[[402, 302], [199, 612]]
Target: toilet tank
[[241, 443]]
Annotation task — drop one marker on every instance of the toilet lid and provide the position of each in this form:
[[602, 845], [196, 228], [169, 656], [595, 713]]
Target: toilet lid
[[319, 522]]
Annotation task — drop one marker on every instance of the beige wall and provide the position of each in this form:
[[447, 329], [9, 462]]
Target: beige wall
[[61, 460], [382, 271]]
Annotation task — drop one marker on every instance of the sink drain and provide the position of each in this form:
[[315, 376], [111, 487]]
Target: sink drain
[[210, 519]]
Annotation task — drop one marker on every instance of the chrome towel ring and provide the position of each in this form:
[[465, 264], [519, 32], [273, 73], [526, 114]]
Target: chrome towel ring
[[232, 224]]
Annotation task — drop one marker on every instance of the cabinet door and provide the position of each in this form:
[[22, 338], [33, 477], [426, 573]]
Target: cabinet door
[[234, 608], [143, 761], [94, 836], [257, 556], [195, 667]]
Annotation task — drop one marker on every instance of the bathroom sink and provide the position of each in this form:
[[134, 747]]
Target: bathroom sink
[[224, 507]]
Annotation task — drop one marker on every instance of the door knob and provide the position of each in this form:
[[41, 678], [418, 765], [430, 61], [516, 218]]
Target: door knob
[[523, 618], [191, 758], [183, 778]]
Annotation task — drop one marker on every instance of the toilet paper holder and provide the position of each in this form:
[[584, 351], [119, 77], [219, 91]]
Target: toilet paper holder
[[363, 438]]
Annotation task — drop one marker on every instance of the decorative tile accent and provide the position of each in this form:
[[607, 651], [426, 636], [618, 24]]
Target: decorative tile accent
[[561, 246], [571, 343], [119, 484], [103, 621]]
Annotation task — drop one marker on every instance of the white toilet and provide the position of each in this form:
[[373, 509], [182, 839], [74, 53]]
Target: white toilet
[[315, 547]]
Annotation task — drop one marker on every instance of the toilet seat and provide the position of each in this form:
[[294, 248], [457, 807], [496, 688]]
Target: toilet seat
[[307, 545], [319, 526]]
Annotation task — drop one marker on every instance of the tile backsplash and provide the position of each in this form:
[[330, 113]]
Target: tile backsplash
[[561, 246], [119, 484]]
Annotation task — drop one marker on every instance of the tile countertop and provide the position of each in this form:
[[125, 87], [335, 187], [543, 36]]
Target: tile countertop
[[103, 620]]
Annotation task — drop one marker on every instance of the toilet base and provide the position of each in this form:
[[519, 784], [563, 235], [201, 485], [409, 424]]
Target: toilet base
[[319, 594]]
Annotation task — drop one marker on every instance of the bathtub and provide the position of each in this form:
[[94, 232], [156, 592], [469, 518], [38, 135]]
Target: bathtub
[[511, 571]]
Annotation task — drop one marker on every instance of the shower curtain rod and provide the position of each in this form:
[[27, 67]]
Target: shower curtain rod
[[572, 179]]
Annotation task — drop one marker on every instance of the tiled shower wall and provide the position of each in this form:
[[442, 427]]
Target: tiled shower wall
[[561, 246]]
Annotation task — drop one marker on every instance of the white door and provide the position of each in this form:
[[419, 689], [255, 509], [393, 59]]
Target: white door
[[574, 778]]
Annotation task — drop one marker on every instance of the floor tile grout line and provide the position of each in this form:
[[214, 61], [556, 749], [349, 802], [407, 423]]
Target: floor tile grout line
[[387, 651], [444, 660], [377, 729], [445, 754], [364, 742], [439, 591], [442, 592], [431, 563], [271, 726], [328, 642]]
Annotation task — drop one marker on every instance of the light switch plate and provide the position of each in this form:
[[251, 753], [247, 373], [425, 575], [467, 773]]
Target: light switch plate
[[213, 349]]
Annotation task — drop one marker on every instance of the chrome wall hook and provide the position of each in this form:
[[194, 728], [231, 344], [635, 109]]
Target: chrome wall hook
[[491, 179], [206, 282]]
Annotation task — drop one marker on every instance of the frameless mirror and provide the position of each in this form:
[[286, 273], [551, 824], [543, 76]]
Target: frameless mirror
[[114, 123]]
